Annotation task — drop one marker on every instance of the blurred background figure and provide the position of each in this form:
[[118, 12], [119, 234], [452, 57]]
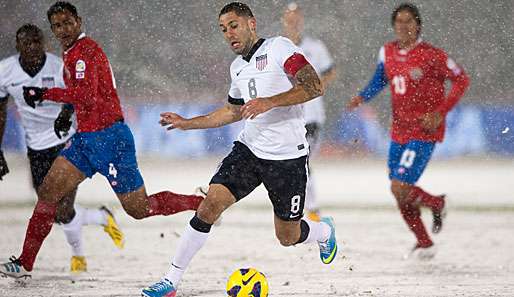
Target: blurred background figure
[[416, 72], [314, 111]]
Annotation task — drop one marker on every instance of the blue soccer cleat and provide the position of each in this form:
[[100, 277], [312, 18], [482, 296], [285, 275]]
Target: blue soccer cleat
[[162, 288], [328, 248]]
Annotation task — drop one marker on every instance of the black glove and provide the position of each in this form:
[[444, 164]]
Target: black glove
[[63, 123], [3, 165], [33, 95]]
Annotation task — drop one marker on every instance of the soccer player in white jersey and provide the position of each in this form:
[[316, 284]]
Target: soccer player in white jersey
[[314, 112], [47, 129], [271, 149]]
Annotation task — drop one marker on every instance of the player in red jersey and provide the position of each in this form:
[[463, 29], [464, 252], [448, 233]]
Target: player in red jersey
[[47, 130], [103, 143], [417, 72]]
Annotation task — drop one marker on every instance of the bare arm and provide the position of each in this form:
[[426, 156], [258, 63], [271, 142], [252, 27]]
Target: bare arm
[[4, 169], [328, 76], [308, 86], [3, 118], [225, 115]]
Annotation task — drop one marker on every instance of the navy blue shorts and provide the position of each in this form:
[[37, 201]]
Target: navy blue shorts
[[110, 152], [408, 161], [41, 161]]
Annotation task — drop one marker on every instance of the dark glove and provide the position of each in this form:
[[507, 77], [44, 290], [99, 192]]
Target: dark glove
[[3, 165], [33, 95], [63, 123]]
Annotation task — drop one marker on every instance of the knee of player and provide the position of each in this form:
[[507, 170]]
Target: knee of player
[[64, 216], [394, 190], [400, 191], [136, 213], [208, 215], [48, 194], [209, 211], [286, 239], [43, 194]]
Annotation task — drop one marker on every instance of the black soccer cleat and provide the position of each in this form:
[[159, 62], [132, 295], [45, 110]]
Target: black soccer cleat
[[438, 217]]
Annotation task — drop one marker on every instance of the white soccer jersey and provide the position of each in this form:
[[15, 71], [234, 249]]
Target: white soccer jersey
[[39, 122], [318, 56], [278, 134]]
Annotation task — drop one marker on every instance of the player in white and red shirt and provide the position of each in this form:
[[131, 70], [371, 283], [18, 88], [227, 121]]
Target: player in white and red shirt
[[416, 72], [271, 150], [46, 131], [319, 57], [103, 143]]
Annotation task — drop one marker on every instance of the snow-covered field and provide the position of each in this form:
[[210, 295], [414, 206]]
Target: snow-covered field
[[475, 255]]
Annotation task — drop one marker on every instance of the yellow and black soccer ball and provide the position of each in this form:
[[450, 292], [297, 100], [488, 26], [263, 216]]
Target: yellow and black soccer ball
[[247, 282]]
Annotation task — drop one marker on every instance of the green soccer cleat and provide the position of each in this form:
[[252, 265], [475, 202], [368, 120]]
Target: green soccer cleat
[[328, 248]]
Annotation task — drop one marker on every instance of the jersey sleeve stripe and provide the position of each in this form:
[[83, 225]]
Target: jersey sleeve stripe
[[236, 101]]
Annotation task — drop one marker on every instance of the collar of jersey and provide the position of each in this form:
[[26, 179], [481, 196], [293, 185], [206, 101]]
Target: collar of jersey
[[404, 52], [252, 51], [82, 35], [40, 67]]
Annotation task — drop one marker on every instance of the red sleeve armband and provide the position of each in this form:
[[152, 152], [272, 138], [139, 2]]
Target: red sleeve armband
[[295, 63]]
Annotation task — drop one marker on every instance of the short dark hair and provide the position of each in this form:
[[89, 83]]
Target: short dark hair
[[238, 8], [61, 6], [411, 8], [29, 29]]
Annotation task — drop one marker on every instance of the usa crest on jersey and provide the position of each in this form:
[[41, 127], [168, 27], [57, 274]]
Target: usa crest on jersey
[[47, 82], [261, 62]]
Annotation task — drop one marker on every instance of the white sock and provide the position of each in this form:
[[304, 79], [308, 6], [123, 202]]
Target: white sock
[[73, 233], [190, 243], [310, 194], [318, 231], [93, 216]]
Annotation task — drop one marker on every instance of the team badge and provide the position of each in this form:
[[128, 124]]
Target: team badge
[[80, 66], [47, 82], [416, 73], [80, 69], [261, 62]]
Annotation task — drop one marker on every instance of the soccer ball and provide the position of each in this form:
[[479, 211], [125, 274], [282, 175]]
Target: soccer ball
[[247, 282]]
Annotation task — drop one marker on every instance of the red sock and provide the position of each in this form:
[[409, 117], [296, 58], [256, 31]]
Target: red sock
[[417, 195], [39, 226], [412, 217], [167, 203]]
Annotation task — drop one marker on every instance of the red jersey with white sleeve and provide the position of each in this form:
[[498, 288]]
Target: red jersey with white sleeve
[[417, 81], [90, 86]]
